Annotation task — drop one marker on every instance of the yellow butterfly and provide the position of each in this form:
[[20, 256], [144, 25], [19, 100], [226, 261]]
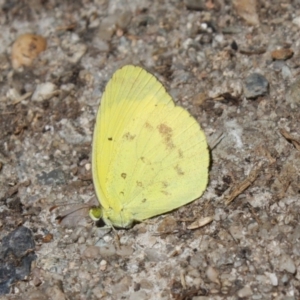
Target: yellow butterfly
[[149, 156]]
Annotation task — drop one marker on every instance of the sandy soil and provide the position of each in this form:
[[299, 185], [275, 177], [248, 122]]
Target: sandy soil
[[204, 53]]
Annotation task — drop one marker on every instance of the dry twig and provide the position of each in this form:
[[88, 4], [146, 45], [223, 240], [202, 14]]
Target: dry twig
[[240, 188], [290, 138]]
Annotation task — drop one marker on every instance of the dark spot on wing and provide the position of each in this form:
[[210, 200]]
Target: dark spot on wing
[[110, 138], [128, 136], [180, 153], [145, 160], [178, 170], [144, 200], [166, 133], [165, 192], [124, 175], [139, 184], [148, 126], [165, 184]]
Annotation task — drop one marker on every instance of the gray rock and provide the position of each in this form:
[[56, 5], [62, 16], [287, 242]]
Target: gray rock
[[16, 255], [287, 264], [195, 4], [293, 93], [255, 85], [245, 292], [54, 177]]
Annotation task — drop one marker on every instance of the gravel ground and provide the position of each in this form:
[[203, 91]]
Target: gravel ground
[[234, 66]]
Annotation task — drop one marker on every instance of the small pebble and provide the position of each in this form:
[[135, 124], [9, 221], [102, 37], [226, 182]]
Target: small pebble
[[293, 92], [36, 295], [168, 224], [199, 99], [76, 52], [212, 274], [273, 278], [255, 85], [125, 251], [91, 252], [195, 4], [55, 292], [244, 292], [246, 9], [153, 255], [286, 72], [102, 46], [124, 20], [81, 240], [285, 279], [287, 264], [43, 91], [282, 54], [26, 48], [138, 295], [107, 250], [146, 284], [103, 265], [47, 238], [107, 28], [296, 21]]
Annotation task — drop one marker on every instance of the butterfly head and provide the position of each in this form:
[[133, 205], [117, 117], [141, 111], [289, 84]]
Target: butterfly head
[[96, 213]]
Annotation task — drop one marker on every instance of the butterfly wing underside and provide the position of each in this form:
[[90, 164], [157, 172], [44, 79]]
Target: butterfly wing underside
[[149, 156]]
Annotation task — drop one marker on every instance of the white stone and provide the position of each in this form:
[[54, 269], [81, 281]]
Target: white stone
[[296, 21], [43, 91]]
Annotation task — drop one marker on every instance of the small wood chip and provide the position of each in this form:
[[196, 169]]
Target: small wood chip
[[282, 54], [201, 222], [290, 138], [240, 188]]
